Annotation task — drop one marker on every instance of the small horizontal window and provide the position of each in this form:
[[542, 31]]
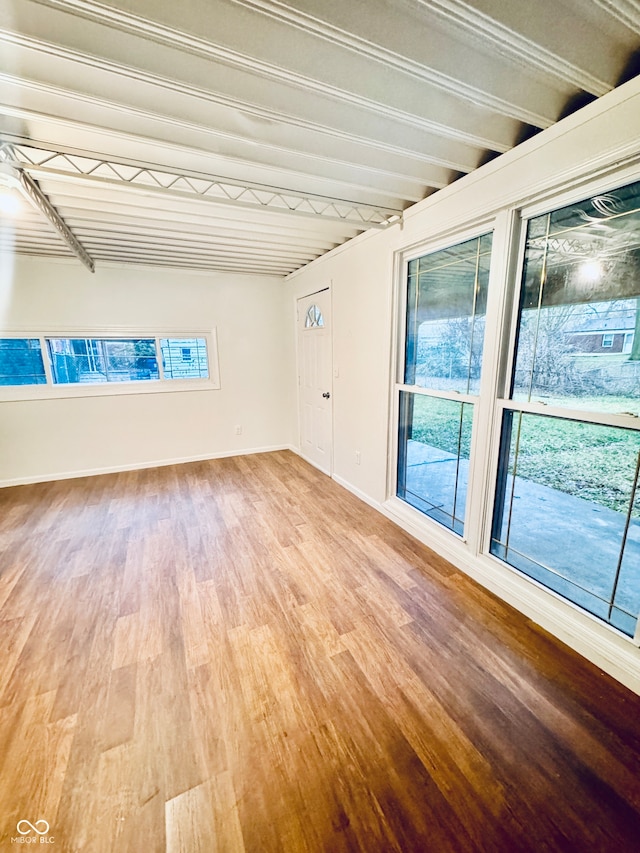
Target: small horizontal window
[[81, 365]]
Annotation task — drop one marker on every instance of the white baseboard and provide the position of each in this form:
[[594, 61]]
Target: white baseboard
[[299, 453], [358, 493], [605, 647], [137, 466]]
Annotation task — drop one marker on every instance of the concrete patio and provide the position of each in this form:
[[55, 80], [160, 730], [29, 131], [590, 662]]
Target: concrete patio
[[569, 544]]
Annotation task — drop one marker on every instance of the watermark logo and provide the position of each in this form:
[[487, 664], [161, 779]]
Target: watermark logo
[[33, 833], [40, 826]]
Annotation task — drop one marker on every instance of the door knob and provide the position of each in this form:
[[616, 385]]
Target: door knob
[[326, 395]]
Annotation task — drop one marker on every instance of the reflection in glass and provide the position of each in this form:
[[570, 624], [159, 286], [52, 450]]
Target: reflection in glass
[[562, 512], [433, 462], [21, 362], [446, 307], [579, 329], [184, 358], [96, 360]]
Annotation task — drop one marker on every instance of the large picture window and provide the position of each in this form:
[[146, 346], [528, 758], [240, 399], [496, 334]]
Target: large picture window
[[445, 320], [567, 508]]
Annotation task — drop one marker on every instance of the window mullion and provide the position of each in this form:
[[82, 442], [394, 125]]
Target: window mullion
[[487, 417], [159, 359], [46, 360]]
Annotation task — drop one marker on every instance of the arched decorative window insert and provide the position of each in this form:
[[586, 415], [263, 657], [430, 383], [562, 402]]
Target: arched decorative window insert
[[314, 318]]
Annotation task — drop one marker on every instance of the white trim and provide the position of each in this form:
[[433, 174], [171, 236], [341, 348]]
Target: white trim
[[581, 189], [591, 416], [403, 257], [139, 466], [299, 452], [358, 493], [448, 237], [521, 50], [22, 393], [455, 396], [482, 467], [599, 643], [626, 11], [313, 293]]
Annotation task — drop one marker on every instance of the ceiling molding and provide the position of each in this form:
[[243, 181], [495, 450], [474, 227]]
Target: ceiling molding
[[334, 35], [520, 50], [139, 26], [385, 111], [317, 130], [625, 11]]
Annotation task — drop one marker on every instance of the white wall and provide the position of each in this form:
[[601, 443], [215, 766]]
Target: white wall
[[45, 439], [603, 137]]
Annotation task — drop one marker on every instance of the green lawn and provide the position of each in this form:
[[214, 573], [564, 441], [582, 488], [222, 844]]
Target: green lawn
[[593, 462]]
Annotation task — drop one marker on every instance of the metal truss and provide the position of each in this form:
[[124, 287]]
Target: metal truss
[[17, 178], [222, 190], [39, 200]]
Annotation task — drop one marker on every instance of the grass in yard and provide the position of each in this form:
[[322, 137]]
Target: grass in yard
[[593, 462]]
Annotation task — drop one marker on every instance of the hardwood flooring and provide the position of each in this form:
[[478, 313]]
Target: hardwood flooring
[[238, 655]]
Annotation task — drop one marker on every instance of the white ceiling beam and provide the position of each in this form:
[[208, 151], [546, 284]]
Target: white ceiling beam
[[242, 58], [267, 52]]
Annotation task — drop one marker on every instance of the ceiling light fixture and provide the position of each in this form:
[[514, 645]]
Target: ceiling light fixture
[[10, 205], [590, 271]]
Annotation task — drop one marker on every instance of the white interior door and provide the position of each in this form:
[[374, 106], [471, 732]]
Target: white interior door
[[315, 365]]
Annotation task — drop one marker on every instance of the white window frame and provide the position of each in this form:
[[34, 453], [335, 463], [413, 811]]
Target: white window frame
[[508, 292], [11, 393], [446, 239]]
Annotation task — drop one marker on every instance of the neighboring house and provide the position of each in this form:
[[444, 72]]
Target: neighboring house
[[604, 329]]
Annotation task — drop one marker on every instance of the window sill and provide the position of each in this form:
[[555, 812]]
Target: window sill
[[19, 393]]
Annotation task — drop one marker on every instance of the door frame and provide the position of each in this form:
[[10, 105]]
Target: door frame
[[329, 290]]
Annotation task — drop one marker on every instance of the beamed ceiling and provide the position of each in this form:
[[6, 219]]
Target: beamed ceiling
[[255, 135]]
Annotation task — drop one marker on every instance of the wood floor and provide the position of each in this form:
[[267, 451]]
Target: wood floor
[[238, 655]]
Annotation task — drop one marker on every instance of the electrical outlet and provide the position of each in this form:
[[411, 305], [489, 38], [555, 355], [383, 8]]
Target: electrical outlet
[[238, 429], [357, 457]]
